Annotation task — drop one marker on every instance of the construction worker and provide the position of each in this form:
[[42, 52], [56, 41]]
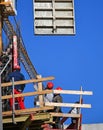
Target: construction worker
[[48, 97], [18, 89], [74, 110], [58, 99], [74, 121]]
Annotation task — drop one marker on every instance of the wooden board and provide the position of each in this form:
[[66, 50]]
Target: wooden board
[[27, 111], [27, 81], [68, 105]]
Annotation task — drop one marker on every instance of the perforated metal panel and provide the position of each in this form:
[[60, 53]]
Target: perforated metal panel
[[54, 17]]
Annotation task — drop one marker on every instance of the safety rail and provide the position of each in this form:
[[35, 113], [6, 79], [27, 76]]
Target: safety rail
[[31, 114], [8, 84]]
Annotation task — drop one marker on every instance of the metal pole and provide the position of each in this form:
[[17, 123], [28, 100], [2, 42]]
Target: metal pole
[[10, 57], [1, 125], [13, 109]]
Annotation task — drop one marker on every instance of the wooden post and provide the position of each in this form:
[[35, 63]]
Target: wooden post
[[80, 101], [40, 88]]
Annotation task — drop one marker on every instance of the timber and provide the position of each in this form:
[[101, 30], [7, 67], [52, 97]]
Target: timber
[[17, 119], [27, 81], [23, 118], [28, 94], [65, 115], [73, 92], [40, 116], [27, 111], [68, 105], [40, 88], [49, 91]]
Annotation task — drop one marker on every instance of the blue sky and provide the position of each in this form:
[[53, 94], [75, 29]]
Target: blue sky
[[74, 61]]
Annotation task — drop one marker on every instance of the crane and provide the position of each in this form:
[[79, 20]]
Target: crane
[[32, 118]]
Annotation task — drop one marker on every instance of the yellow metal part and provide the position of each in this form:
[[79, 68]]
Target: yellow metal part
[[5, 3]]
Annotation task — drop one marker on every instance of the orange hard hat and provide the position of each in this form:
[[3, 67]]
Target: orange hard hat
[[59, 88], [50, 85]]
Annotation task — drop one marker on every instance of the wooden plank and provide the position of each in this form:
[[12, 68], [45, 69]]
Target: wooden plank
[[65, 115], [23, 118], [17, 119], [27, 111], [40, 88], [27, 81], [39, 117], [73, 92], [68, 105], [27, 94], [80, 101]]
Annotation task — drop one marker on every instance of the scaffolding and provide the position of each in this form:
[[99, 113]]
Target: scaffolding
[[36, 118], [39, 118]]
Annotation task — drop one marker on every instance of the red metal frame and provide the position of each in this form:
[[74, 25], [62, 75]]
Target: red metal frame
[[15, 52]]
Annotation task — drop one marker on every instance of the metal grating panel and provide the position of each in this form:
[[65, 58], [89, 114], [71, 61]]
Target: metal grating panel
[[54, 17]]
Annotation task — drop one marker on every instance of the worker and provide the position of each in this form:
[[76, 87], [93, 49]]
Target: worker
[[58, 99], [47, 97], [18, 89], [74, 121]]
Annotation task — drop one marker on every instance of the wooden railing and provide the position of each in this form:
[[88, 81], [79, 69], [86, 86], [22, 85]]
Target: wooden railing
[[44, 106]]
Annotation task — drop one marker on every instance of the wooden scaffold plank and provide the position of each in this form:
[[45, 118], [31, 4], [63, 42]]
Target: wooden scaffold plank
[[40, 88], [27, 81], [27, 111], [27, 94], [65, 115], [73, 92], [68, 105]]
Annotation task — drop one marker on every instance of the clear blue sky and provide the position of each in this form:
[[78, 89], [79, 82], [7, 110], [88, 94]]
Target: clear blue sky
[[74, 61]]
